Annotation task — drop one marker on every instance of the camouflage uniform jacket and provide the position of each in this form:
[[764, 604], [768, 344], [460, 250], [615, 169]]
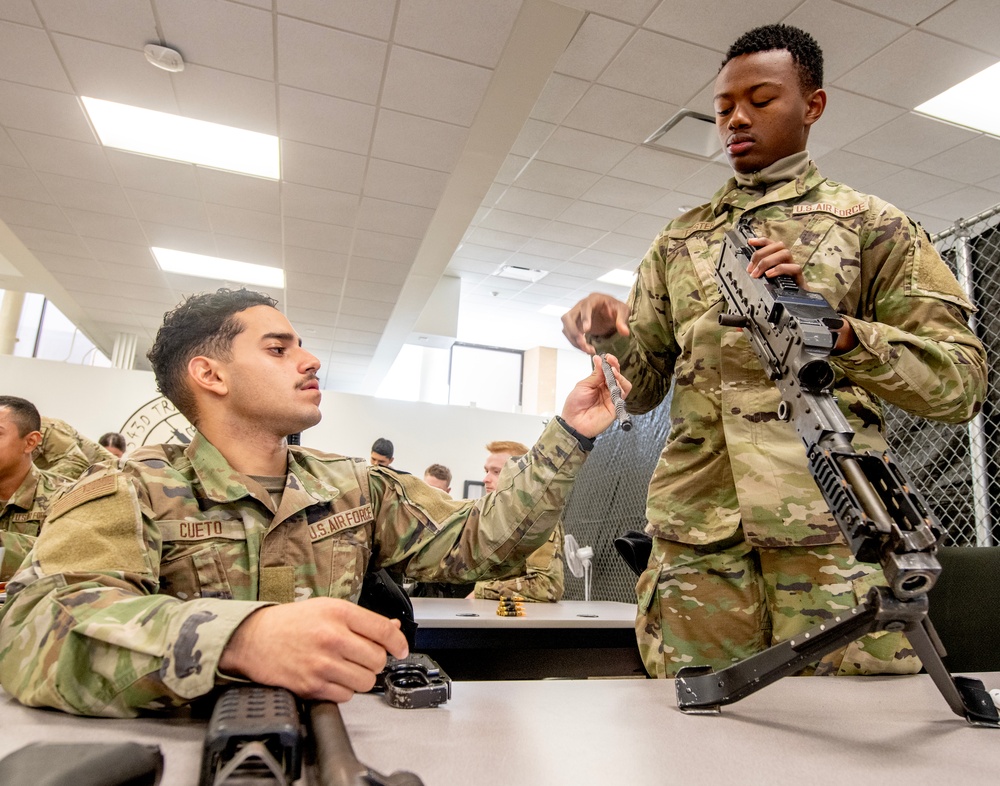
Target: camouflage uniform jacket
[[728, 458], [543, 579], [65, 451], [22, 516], [142, 574]]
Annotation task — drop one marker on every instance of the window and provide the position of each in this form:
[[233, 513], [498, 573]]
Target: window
[[487, 377]]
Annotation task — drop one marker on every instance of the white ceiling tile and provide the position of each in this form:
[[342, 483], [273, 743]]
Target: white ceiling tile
[[121, 22], [404, 183], [531, 137], [227, 220], [961, 204], [21, 11], [391, 248], [318, 204], [329, 61], [560, 232], [312, 234], [493, 193], [51, 154], [595, 45], [558, 97], [230, 99], [324, 120], [43, 111], [846, 35], [166, 209], [114, 73], [908, 188], [908, 139], [87, 223], [515, 223], [194, 26], [848, 116], [321, 167], [55, 242], [418, 141], [970, 162], [27, 56], [119, 253], [656, 167], [623, 193], [532, 203], [913, 69], [910, 11], [857, 171], [372, 290], [488, 254], [34, 214], [367, 17], [60, 263], [510, 169], [706, 181], [352, 306], [646, 225], [181, 238], [326, 265], [673, 204], [495, 239], [434, 87], [9, 154], [602, 261], [150, 276], [623, 244], [22, 183], [549, 249], [712, 23], [376, 270], [587, 214], [555, 179], [619, 114], [158, 175], [473, 32], [631, 11], [229, 188], [582, 150], [931, 224], [662, 68], [247, 249], [973, 22], [394, 217]]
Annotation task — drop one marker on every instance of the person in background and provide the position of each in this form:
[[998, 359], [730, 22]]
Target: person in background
[[543, 578], [438, 476], [65, 451], [238, 558], [382, 451], [25, 490], [745, 553], [113, 442]]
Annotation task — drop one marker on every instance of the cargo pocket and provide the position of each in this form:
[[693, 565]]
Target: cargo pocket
[[196, 574], [648, 622], [341, 560]]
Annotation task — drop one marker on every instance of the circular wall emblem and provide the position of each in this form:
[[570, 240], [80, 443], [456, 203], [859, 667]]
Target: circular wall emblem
[[157, 422]]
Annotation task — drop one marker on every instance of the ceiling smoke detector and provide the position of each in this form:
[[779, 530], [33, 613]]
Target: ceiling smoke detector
[[164, 57]]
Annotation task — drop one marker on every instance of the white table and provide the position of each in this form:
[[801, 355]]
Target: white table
[[802, 730], [573, 639]]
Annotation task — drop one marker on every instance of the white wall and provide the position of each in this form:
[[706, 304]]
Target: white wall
[[96, 400]]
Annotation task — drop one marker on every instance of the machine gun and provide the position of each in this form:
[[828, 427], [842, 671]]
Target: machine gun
[[883, 518], [261, 735]]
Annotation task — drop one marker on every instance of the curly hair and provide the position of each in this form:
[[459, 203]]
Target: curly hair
[[805, 52], [203, 324]]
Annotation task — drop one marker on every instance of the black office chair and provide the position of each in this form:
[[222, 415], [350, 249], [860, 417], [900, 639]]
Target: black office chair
[[965, 607]]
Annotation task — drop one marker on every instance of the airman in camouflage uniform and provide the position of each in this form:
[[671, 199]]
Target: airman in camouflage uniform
[[65, 451], [154, 583], [25, 491], [745, 553]]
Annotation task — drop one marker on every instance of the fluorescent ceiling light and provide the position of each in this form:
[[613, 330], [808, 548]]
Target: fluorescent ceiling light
[[968, 103], [553, 311], [188, 264], [622, 278], [182, 139], [519, 273]]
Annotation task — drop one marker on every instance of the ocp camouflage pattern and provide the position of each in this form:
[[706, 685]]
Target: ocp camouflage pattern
[[22, 517], [66, 452], [543, 580], [141, 574]]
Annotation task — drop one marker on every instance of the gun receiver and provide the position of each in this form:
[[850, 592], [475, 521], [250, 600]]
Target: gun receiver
[[883, 519]]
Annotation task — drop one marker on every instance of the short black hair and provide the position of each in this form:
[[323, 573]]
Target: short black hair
[[23, 413], [383, 447], [112, 440], [203, 324], [805, 52]]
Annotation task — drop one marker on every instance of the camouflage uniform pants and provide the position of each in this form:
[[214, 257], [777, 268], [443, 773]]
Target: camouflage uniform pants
[[715, 606]]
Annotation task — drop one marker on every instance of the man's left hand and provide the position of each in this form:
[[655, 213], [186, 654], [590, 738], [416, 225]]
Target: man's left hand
[[588, 407]]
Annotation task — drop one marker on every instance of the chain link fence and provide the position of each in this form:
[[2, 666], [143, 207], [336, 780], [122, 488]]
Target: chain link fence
[[956, 468]]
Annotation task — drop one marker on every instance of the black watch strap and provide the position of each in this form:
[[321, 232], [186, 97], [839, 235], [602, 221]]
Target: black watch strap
[[586, 443]]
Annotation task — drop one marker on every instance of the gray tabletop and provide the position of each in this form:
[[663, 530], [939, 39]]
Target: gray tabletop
[[473, 613], [883, 730]]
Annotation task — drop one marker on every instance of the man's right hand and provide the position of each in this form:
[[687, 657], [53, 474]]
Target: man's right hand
[[321, 648], [598, 314]]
